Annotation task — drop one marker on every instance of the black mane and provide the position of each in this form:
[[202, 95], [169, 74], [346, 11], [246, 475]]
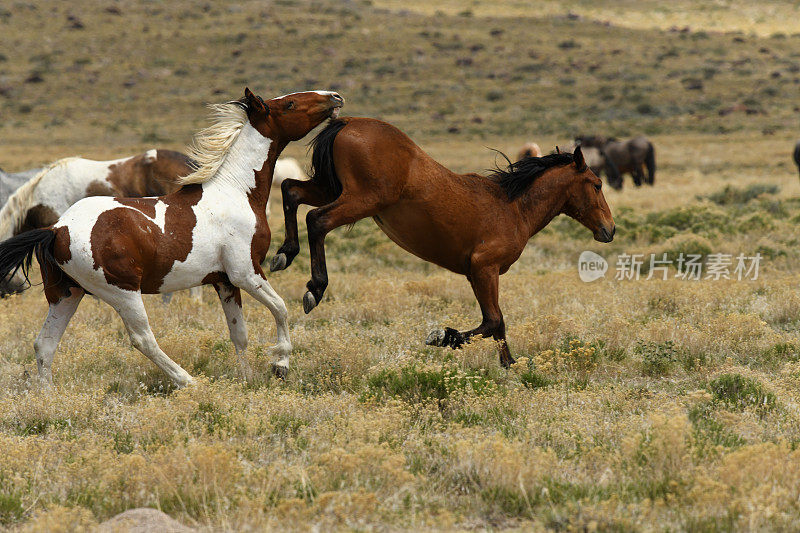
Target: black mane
[[517, 177]]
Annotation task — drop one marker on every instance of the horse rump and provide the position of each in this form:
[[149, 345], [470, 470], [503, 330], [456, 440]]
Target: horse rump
[[16, 254]]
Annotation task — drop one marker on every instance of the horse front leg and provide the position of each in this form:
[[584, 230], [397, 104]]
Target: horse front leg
[[485, 282], [231, 299], [320, 222], [294, 192]]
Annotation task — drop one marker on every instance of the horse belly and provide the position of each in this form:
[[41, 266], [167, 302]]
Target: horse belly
[[418, 233]]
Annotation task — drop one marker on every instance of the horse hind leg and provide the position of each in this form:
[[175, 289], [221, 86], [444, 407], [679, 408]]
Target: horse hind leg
[[131, 309], [295, 192], [231, 299], [58, 317]]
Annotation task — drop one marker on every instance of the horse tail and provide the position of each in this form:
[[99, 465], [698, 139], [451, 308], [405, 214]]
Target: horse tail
[[650, 162], [16, 253], [323, 170], [614, 177]]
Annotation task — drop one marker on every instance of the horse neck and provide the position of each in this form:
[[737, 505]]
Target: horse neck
[[544, 200], [246, 169]]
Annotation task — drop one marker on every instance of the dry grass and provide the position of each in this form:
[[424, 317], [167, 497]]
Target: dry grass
[[634, 405]]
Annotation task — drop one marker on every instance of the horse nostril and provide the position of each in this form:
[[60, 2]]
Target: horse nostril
[[338, 98]]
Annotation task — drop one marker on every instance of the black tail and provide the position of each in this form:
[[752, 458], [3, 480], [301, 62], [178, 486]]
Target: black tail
[[17, 252], [323, 171], [650, 162], [797, 155]]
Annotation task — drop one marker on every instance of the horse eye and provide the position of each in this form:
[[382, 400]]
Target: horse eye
[[598, 186], [290, 105]]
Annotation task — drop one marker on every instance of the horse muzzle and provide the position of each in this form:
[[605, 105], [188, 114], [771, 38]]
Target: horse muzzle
[[604, 234], [336, 104]]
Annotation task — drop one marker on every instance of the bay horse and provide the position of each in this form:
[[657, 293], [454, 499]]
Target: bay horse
[[42, 199], [213, 230], [470, 224], [632, 156]]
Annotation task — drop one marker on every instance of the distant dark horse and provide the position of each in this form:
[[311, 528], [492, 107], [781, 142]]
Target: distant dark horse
[[797, 154], [631, 156], [599, 162], [467, 223]]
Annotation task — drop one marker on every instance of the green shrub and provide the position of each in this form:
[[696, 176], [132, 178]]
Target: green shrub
[[657, 358], [731, 195], [739, 392], [415, 384]]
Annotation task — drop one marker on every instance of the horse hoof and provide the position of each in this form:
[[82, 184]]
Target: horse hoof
[[280, 371], [435, 338], [309, 302], [277, 263], [506, 363]]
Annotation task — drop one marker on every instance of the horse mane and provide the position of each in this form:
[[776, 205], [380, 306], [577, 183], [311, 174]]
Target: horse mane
[[12, 215], [211, 145], [517, 177]]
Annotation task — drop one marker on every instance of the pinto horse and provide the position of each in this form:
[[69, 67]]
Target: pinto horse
[[470, 224], [39, 201], [213, 230]]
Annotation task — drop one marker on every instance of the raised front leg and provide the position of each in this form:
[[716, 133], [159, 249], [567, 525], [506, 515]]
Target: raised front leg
[[294, 193], [231, 299], [485, 282], [320, 222]]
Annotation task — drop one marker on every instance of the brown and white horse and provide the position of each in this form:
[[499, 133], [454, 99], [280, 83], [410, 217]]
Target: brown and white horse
[[467, 223], [44, 197], [213, 230]]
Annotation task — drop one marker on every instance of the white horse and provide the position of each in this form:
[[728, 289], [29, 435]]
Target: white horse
[[213, 230], [44, 197], [287, 168]]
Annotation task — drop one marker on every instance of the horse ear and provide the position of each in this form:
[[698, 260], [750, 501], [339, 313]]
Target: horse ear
[[577, 155], [254, 103]]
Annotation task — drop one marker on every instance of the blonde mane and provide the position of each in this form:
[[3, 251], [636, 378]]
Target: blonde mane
[[12, 215], [211, 145]]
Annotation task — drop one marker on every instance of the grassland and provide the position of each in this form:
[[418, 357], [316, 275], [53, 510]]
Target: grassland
[[641, 405]]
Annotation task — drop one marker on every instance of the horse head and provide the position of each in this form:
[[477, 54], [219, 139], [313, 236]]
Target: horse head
[[290, 117], [585, 200]]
